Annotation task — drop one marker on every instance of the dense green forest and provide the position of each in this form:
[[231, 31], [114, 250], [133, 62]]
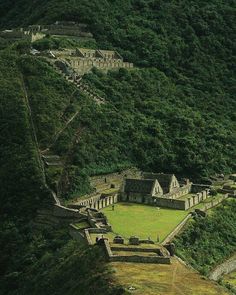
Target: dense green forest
[[208, 241], [26, 250], [175, 112]]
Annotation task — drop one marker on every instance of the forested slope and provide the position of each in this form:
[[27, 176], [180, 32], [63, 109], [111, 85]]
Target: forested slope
[[207, 242], [34, 260], [175, 112]]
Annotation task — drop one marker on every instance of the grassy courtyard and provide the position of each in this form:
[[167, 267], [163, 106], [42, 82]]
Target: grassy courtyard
[[143, 221]]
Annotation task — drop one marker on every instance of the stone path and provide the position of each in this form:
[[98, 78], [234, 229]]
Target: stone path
[[77, 80]]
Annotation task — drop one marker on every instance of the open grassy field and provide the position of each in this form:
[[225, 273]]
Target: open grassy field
[[159, 279], [143, 221]]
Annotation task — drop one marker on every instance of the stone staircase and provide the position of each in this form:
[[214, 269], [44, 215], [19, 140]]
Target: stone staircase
[[70, 75]]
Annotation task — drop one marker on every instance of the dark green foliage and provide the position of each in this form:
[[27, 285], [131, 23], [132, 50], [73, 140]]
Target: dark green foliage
[[208, 241], [49, 262], [21, 179], [62, 42], [175, 114]]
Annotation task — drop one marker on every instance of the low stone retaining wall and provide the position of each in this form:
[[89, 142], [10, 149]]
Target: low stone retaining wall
[[214, 203], [141, 259], [134, 258], [133, 249], [61, 211], [224, 268], [178, 228], [231, 192]]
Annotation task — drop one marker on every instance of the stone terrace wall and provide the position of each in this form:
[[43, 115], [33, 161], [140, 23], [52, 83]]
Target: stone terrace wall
[[224, 268], [134, 258], [114, 177], [214, 203], [177, 230], [172, 203], [141, 259]]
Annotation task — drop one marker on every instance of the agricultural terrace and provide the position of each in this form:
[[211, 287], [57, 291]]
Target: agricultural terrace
[[144, 221], [159, 279]]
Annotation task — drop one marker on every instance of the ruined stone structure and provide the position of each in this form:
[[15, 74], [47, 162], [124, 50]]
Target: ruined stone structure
[[82, 60], [32, 34], [36, 32], [163, 190]]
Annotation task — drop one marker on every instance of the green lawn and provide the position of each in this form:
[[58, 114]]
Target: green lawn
[[143, 221]]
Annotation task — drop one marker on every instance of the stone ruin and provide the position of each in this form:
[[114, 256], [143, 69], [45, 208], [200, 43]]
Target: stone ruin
[[58, 29], [163, 190], [82, 60]]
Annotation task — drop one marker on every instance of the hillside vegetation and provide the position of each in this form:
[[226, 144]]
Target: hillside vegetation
[[34, 261], [208, 241], [175, 112]]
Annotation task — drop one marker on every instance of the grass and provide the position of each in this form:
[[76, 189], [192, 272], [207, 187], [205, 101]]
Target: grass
[[82, 225], [159, 279], [230, 278], [143, 221]]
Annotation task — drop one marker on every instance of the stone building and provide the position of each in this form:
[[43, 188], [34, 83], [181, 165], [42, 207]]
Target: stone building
[[32, 34], [168, 182], [163, 190], [141, 190]]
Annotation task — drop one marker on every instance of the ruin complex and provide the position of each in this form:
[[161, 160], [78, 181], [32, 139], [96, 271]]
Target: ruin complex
[[82, 60]]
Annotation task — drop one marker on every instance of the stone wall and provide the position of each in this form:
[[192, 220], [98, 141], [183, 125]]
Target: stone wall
[[134, 258], [77, 235], [117, 177], [230, 191], [184, 190], [37, 36], [224, 268], [214, 203], [83, 65], [98, 203], [141, 259], [61, 211], [177, 230], [172, 203], [196, 188]]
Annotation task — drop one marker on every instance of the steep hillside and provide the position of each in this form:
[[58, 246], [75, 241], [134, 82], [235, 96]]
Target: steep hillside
[[25, 250], [174, 112], [207, 242]]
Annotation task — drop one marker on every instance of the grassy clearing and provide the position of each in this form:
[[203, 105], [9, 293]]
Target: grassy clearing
[[143, 221], [157, 279]]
